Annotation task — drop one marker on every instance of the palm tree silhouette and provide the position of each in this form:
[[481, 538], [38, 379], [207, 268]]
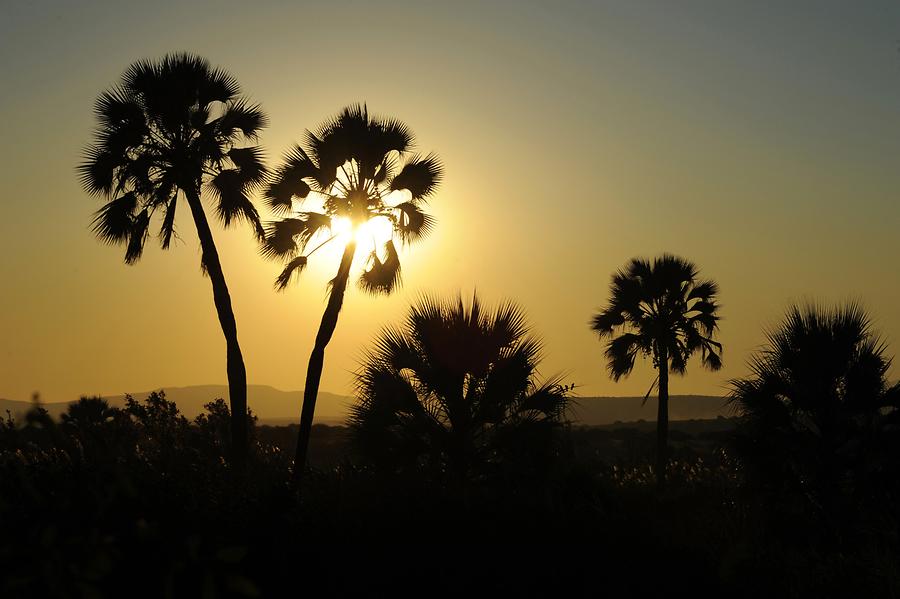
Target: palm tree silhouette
[[167, 130], [352, 163], [815, 402], [454, 388], [664, 312], [88, 412]]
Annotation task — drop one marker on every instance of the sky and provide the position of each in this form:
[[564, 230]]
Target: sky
[[760, 140]]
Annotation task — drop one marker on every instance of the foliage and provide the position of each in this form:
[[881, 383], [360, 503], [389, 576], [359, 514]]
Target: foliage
[[352, 165], [660, 309], [454, 390], [113, 498], [171, 127], [819, 418], [132, 521]]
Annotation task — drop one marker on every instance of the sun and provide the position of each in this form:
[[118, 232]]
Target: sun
[[370, 235]]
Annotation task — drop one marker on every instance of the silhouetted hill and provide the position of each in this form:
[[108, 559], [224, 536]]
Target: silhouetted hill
[[276, 407], [595, 411], [17, 408], [271, 405]]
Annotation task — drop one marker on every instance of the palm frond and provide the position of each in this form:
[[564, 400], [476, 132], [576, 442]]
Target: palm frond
[[167, 230], [621, 353], [137, 237], [707, 290], [241, 116], [114, 222], [419, 176], [711, 357], [288, 183], [385, 171], [394, 136], [508, 328], [382, 276], [217, 86], [412, 224], [291, 235], [326, 157], [249, 162], [293, 268], [233, 203], [604, 322], [141, 77], [117, 109], [549, 399], [97, 171]]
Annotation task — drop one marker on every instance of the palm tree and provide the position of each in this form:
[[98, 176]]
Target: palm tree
[[169, 129], [816, 403], [88, 412], [664, 312], [454, 388], [351, 167]]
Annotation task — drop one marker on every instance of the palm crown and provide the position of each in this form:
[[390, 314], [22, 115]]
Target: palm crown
[[663, 311], [816, 397], [351, 164], [172, 125], [449, 383]]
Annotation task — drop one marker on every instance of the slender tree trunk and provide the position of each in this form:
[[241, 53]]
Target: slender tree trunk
[[662, 421], [317, 357], [237, 374]]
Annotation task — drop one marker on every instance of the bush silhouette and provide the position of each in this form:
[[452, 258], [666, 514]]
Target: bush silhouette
[[818, 416], [454, 391]]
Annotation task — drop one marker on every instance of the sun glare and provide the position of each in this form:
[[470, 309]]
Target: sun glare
[[372, 234]]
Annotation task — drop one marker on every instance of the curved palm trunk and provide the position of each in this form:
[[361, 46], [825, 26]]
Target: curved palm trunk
[[317, 357], [662, 421], [237, 374]]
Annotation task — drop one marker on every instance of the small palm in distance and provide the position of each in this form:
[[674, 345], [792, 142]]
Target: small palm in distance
[[171, 128], [660, 310], [351, 165]]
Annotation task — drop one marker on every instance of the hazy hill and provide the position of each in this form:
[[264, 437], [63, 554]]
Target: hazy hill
[[607, 410], [273, 406]]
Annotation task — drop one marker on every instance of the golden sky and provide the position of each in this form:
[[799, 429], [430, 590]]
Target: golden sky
[[760, 141]]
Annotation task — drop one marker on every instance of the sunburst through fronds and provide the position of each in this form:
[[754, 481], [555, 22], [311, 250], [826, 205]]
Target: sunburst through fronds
[[354, 182]]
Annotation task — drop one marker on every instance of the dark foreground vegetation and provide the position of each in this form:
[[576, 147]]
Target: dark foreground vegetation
[[142, 502]]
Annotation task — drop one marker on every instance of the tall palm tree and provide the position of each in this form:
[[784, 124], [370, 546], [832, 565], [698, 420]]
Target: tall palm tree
[[351, 167], [663, 312], [455, 388], [170, 129], [817, 408]]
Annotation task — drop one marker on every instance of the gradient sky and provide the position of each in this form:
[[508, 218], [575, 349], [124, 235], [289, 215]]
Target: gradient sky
[[759, 139]]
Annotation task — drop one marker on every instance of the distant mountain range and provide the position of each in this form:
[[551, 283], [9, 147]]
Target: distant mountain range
[[273, 406], [609, 410]]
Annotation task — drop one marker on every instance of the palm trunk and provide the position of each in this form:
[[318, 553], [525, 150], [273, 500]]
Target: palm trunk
[[237, 374], [662, 421], [317, 357]]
